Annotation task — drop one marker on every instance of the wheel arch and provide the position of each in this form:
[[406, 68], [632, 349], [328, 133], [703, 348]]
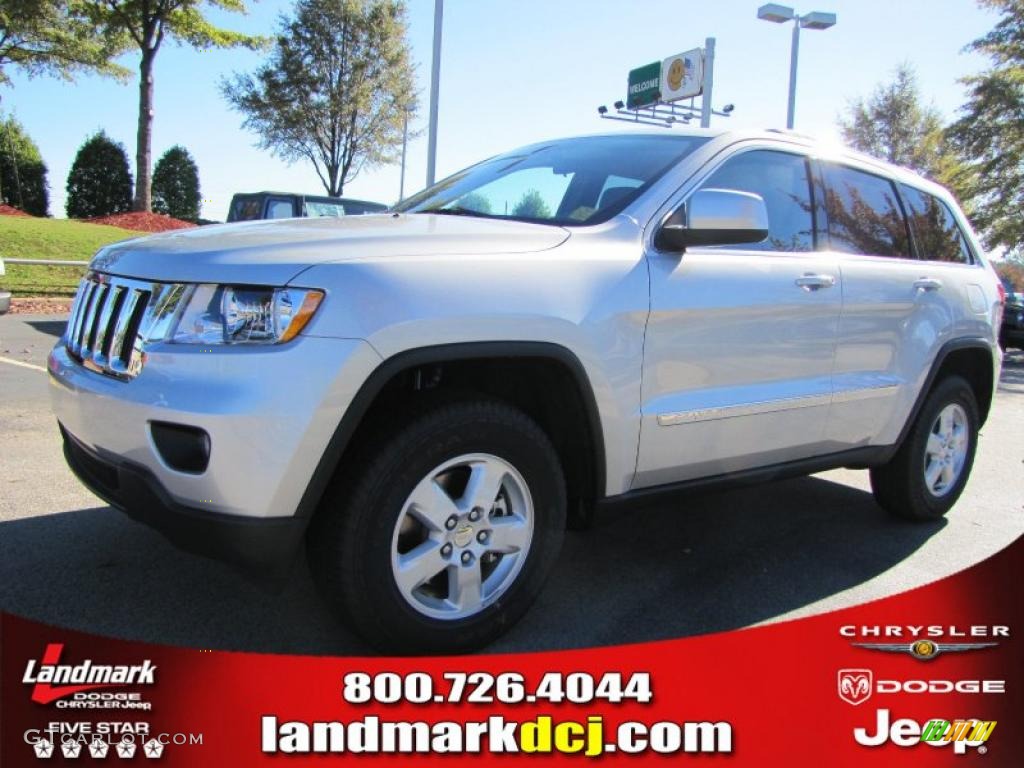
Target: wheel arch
[[421, 358], [971, 358]]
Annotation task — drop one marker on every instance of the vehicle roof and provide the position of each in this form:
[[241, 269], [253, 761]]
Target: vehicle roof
[[326, 198], [823, 148]]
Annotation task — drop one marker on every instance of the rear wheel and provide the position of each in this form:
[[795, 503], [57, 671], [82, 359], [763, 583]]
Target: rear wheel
[[445, 535], [928, 473]]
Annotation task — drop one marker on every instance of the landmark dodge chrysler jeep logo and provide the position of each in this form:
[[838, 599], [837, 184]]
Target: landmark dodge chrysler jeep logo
[[75, 678]]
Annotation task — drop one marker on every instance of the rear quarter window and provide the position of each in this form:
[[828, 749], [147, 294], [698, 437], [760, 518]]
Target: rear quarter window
[[937, 235]]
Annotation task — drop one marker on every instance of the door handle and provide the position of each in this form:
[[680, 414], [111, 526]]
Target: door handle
[[927, 284], [812, 282]]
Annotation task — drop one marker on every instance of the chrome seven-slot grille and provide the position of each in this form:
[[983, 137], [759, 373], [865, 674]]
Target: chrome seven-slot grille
[[113, 317]]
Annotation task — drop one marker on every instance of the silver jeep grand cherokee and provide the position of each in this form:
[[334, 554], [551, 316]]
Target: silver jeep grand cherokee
[[426, 397]]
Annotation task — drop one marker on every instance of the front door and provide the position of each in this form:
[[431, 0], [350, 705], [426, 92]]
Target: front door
[[740, 342]]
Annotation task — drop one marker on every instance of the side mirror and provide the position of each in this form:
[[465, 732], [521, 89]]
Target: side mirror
[[714, 217]]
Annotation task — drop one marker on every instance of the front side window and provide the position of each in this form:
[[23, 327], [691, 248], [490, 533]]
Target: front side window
[[570, 183], [864, 214], [936, 232], [246, 209], [783, 182]]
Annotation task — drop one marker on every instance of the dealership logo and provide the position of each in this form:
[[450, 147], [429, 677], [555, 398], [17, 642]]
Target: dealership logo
[[52, 680], [855, 685], [924, 650], [924, 642], [964, 734]]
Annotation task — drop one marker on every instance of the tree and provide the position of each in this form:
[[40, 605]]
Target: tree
[[145, 24], [990, 130], [176, 185], [475, 201], [532, 206], [893, 124], [22, 171], [336, 90], [53, 37], [100, 182]]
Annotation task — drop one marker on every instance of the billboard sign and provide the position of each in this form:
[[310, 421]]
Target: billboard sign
[[644, 85], [682, 76]]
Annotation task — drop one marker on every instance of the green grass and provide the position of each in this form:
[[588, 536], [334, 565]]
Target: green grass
[[32, 238]]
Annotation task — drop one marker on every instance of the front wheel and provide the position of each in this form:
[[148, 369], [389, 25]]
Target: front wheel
[[445, 535], [929, 471]]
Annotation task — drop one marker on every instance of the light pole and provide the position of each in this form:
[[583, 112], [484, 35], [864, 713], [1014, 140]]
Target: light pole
[[780, 14], [435, 88], [405, 146]]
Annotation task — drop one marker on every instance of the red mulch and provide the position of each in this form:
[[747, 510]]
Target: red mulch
[[142, 222], [40, 306], [10, 210]]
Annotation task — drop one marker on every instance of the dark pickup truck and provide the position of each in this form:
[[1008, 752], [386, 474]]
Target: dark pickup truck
[[249, 206]]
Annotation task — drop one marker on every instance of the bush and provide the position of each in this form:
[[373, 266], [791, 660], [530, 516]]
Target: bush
[[22, 171], [100, 182], [176, 185]]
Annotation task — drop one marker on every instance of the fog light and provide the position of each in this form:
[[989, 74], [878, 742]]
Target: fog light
[[182, 448]]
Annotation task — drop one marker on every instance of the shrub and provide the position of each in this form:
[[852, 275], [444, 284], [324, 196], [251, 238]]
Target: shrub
[[100, 182], [176, 185]]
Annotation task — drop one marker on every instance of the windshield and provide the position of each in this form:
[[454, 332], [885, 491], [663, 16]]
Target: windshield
[[318, 210], [569, 182]]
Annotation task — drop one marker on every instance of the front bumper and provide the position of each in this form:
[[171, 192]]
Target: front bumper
[[259, 545], [269, 414]]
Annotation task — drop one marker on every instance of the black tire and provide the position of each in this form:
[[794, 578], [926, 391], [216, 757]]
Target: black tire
[[900, 486], [350, 541]]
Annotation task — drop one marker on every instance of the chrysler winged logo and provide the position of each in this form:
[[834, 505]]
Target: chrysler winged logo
[[923, 650], [855, 685]]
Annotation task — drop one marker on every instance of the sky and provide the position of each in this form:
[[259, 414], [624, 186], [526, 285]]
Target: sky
[[514, 72]]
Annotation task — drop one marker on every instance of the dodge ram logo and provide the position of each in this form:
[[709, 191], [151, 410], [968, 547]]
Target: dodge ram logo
[[855, 685]]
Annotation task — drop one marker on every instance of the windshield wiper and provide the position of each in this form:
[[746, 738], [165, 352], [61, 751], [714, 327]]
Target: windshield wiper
[[455, 210]]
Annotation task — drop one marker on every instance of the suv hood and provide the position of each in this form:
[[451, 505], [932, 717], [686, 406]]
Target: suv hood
[[274, 252]]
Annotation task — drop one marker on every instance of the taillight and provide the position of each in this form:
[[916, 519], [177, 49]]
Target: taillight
[[1002, 293]]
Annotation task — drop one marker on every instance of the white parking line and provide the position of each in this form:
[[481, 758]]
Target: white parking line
[[23, 365]]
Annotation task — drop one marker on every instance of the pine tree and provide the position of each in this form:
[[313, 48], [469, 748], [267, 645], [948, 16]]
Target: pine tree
[[22, 171]]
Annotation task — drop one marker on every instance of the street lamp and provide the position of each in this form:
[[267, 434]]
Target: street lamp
[[779, 14]]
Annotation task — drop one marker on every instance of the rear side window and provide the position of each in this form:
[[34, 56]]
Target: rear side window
[[864, 214], [783, 182], [280, 209], [936, 233]]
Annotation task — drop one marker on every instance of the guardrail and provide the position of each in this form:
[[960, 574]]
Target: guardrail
[[46, 262]]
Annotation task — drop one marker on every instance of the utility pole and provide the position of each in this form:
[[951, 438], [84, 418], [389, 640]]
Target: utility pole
[[435, 87]]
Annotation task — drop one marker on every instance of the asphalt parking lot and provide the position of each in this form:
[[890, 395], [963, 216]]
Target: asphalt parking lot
[[702, 564]]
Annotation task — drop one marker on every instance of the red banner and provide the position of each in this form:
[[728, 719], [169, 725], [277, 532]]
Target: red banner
[[929, 677]]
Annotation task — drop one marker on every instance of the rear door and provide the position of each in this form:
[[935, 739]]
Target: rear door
[[895, 312], [739, 345]]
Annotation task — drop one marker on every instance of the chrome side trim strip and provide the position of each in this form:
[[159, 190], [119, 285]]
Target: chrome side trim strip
[[743, 409], [865, 393], [774, 406]]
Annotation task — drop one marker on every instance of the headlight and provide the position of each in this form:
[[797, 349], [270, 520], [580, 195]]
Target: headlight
[[230, 314]]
